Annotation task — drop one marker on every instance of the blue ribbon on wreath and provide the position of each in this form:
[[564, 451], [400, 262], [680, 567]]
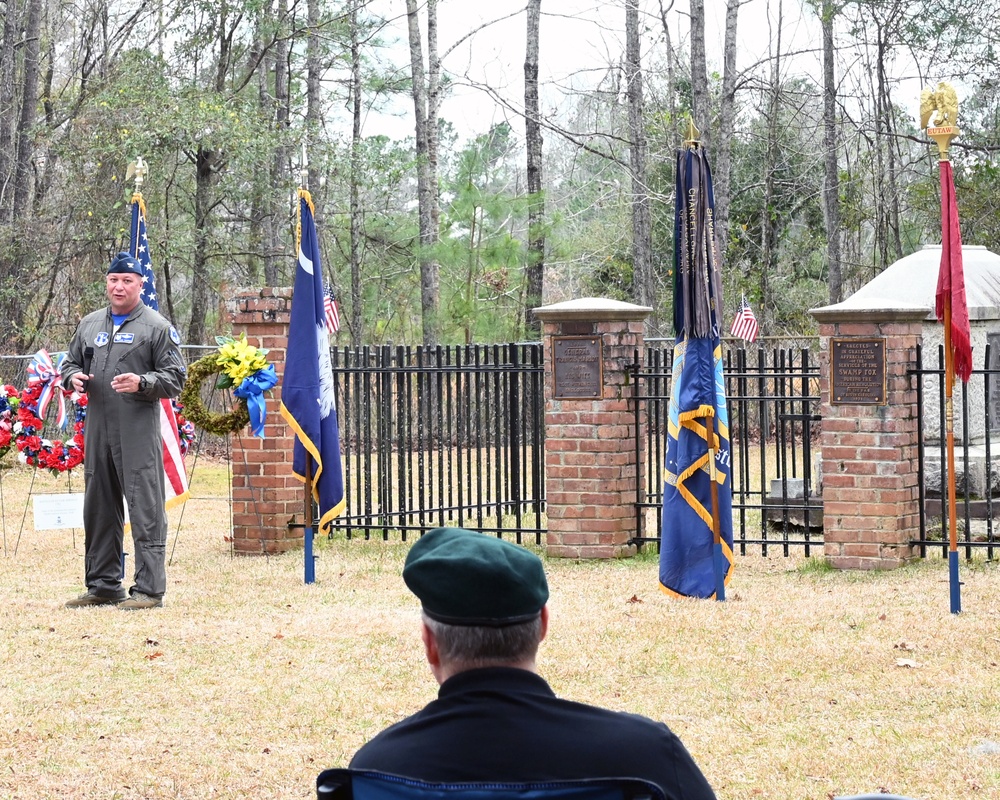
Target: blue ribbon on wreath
[[252, 390]]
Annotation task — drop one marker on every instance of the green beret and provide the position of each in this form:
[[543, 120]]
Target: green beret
[[467, 578]]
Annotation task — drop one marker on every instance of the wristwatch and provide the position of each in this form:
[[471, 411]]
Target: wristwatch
[[143, 383]]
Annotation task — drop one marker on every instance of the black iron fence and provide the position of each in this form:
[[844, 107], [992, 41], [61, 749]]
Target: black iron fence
[[442, 436], [773, 405], [455, 435], [977, 460]]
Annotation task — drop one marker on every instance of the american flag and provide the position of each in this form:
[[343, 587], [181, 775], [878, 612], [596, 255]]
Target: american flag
[[331, 310], [745, 324], [175, 483]]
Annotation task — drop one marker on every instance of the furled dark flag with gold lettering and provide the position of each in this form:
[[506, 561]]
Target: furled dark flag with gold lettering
[[696, 531]]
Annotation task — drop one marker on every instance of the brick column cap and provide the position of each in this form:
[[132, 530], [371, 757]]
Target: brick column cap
[[591, 309], [845, 312]]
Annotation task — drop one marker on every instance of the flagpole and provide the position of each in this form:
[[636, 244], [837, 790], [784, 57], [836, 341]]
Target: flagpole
[[693, 141], [943, 134]]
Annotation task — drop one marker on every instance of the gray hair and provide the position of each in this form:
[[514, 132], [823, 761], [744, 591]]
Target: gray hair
[[474, 646]]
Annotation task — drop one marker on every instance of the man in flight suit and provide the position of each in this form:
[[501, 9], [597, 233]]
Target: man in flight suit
[[136, 361], [495, 719]]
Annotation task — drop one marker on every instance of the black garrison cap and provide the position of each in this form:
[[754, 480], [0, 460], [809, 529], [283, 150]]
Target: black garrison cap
[[123, 262], [467, 578]]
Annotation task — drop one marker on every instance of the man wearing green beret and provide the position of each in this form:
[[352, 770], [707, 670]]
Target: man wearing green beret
[[495, 719]]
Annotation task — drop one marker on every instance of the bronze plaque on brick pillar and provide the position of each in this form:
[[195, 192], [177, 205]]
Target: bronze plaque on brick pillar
[[577, 367], [857, 371]]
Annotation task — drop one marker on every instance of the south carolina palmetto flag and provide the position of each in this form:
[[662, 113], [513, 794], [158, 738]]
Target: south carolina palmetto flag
[[308, 400], [175, 477]]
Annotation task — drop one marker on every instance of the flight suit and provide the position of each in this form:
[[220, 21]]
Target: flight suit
[[123, 449]]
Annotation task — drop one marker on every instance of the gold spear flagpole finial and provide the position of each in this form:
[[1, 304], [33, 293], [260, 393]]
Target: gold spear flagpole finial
[[939, 115], [693, 135], [137, 170]]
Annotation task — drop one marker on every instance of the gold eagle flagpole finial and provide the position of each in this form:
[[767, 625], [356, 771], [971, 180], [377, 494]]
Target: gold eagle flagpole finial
[[939, 115], [137, 170]]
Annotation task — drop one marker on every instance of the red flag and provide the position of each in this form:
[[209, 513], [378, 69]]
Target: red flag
[[951, 278]]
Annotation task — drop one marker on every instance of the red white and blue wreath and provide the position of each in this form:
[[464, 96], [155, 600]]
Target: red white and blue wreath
[[10, 398], [26, 412]]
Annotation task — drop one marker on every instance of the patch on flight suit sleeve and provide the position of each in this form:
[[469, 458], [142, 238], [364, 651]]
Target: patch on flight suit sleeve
[[174, 336]]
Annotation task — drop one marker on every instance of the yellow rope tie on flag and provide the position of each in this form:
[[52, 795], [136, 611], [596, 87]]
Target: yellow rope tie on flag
[[303, 195], [137, 198]]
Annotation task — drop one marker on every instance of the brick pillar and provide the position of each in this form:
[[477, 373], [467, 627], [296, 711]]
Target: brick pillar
[[869, 469], [265, 493], [591, 471]]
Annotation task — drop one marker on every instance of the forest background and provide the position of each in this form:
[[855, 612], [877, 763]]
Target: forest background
[[449, 225]]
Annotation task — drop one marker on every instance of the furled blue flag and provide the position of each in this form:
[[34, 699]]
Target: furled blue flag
[[307, 397], [692, 564]]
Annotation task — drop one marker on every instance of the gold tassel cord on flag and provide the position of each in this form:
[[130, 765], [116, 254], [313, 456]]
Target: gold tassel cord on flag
[[303, 195], [137, 198]]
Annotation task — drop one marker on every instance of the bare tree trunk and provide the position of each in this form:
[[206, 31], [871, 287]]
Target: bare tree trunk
[[887, 139], [699, 72], [425, 190], [357, 332], [207, 163], [642, 259], [433, 109], [43, 168], [671, 80], [7, 102], [535, 268], [314, 75], [29, 101], [260, 206], [767, 223], [727, 114], [279, 164], [831, 182]]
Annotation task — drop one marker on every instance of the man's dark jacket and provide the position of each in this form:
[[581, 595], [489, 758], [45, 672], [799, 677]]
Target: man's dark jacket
[[507, 724]]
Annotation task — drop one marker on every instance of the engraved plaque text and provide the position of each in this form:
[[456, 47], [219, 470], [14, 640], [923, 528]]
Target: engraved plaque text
[[857, 371], [578, 367]]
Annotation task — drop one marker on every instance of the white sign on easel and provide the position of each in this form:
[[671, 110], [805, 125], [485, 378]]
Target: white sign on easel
[[54, 511]]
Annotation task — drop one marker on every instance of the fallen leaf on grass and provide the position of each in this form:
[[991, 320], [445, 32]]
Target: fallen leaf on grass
[[634, 599], [908, 663], [154, 654]]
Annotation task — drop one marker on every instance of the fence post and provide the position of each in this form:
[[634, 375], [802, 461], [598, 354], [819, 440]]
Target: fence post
[[266, 496], [591, 472], [869, 435]]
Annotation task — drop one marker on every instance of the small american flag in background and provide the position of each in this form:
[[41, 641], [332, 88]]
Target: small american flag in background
[[745, 325], [332, 312]]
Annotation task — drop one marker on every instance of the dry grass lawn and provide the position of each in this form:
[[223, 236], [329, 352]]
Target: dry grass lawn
[[805, 684]]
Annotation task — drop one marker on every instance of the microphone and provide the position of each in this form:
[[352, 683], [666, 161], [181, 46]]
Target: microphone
[[88, 357]]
